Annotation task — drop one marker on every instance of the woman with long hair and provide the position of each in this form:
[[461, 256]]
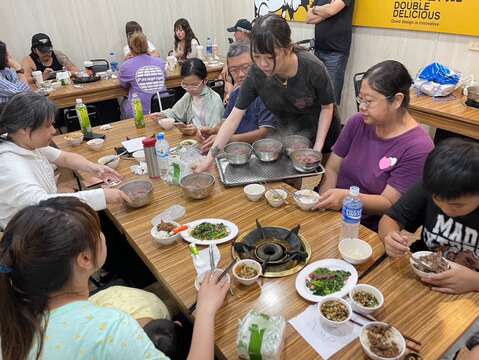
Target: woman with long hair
[[26, 159], [185, 39], [12, 77], [292, 83], [47, 255]]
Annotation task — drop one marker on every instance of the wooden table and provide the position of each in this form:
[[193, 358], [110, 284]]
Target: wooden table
[[452, 115], [111, 89], [409, 305]]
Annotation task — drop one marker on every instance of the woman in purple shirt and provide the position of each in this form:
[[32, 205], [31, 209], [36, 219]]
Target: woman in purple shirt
[[142, 74], [382, 149]]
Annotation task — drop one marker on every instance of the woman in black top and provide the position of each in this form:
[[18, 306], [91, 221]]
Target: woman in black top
[[292, 83]]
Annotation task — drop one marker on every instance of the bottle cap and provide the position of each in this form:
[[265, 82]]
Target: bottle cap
[[160, 136], [148, 142], [79, 101], [354, 190]]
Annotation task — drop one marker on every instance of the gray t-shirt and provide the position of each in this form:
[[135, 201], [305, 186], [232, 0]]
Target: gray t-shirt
[[297, 104]]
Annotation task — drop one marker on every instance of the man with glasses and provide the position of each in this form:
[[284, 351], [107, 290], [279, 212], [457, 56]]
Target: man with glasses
[[258, 121], [43, 58]]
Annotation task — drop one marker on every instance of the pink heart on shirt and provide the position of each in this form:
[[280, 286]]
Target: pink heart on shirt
[[387, 162]]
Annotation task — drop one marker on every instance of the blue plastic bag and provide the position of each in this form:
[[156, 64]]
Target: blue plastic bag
[[439, 74]]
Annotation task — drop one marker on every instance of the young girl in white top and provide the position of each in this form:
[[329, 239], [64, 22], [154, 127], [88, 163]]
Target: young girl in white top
[[26, 171]]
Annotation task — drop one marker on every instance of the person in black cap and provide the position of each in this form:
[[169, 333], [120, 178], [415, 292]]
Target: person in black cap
[[242, 30], [44, 59]]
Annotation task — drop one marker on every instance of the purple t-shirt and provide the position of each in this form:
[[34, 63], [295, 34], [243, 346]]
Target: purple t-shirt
[[144, 75], [372, 163]]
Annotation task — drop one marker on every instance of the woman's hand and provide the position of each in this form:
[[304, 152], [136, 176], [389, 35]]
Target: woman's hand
[[332, 199], [202, 166], [212, 293], [203, 133], [104, 172], [457, 280], [207, 144], [155, 116], [46, 73], [12, 63], [396, 244], [188, 130], [115, 196]]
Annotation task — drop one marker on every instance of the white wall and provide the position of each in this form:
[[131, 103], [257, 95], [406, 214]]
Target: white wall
[[87, 29]]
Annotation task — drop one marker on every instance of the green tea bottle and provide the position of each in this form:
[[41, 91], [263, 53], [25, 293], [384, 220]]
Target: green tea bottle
[[83, 119], [137, 111]]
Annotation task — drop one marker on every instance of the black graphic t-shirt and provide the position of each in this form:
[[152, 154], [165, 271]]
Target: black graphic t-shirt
[[456, 237], [297, 104]]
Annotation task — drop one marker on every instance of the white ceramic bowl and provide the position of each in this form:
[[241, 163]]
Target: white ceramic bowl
[[275, 201], [369, 289], [113, 164], [417, 255], [166, 123], [396, 336], [355, 251], [199, 278], [95, 144], [254, 192], [307, 199], [254, 264], [139, 155], [74, 139], [331, 323], [163, 241], [189, 142]]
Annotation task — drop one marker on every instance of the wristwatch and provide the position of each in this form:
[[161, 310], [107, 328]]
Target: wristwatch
[[20, 71]]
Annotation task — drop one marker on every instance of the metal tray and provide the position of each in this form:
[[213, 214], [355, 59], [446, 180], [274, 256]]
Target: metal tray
[[255, 171]]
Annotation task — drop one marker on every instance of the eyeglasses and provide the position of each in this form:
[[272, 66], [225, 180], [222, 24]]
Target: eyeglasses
[[367, 103], [191, 86], [242, 68]]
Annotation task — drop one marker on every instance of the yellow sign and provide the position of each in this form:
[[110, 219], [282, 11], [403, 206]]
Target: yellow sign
[[445, 16]]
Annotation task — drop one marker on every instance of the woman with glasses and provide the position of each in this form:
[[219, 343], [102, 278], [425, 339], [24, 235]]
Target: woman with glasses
[[382, 149], [200, 107]]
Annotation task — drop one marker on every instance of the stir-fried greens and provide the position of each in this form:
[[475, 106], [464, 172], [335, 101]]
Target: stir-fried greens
[[323, 281], [209, 231]]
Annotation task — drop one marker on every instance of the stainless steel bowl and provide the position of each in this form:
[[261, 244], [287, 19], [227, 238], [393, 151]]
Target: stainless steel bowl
[[473, 93], [267, 150], [306, 160], [140, 193], [238, 153], [295, 142], [197, 186]]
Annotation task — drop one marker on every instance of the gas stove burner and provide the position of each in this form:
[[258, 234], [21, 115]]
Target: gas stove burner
[[273, 251], [282, 251]]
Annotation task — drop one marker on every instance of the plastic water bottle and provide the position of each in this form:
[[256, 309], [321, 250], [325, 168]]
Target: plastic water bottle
[[351, 214], [137, 108], [162, 154], [209, 48], [113, 62], [83, 118]]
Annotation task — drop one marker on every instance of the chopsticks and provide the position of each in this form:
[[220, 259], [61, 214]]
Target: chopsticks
[[416, 342], [212, 258]]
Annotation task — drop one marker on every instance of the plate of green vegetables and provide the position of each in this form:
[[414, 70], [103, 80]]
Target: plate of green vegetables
[[328, 277], [210, 231]]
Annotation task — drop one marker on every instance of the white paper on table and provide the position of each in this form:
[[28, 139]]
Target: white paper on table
[[133, 144], [204, 264], [327, 341]]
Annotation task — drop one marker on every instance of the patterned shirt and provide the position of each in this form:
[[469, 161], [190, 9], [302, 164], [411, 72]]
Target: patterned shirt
[[81, 330], [10, 85]]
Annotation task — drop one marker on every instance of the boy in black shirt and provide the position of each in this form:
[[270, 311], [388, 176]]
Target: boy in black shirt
[[446, 204]]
